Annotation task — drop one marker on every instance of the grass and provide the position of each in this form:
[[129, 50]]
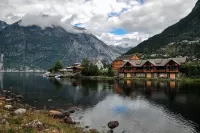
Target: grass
[[17, 123], [185, 79]]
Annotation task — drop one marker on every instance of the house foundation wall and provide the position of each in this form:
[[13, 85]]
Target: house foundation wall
[[149, 75]]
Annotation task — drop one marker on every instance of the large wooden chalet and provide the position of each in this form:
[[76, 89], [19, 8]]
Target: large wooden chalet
[[151, 68]]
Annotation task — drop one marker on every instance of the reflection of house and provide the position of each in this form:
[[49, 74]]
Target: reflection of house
[[152, 68], [120, 60], [98, 63]]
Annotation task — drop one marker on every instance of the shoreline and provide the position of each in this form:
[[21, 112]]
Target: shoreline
[[185, 79], [18, 117]]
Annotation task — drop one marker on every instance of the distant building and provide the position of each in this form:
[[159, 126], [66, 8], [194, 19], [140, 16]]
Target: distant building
[[75, 68], [152, 68], [120, 60], [98, 63]]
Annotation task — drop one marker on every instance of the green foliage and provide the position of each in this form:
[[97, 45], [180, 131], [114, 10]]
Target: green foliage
[[110, 72], [191, 69], [58, 65], [92, 70], [89, 69]]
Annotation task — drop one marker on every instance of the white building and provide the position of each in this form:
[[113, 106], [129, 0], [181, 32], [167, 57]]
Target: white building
[[98, 63]]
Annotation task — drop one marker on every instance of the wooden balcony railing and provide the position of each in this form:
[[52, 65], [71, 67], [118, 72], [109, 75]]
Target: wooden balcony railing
[[146, 71]]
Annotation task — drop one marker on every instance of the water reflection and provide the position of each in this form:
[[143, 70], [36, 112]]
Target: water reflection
[[138, 116], [139, 106]]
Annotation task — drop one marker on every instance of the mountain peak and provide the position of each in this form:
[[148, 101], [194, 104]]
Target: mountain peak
[[180, 39], [197, 5], [2, 24]]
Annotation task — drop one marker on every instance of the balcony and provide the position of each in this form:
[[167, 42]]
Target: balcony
[[175, 70], [121, 70], [160, 70]]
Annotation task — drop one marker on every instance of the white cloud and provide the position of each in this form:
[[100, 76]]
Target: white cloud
[[49, 21], [126, 40], [145, 19]]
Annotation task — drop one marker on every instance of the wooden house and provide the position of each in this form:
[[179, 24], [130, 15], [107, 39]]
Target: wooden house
[[120, 60], [152, 68]]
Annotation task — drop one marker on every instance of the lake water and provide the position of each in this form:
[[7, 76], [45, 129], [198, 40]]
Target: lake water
[[139, 106]]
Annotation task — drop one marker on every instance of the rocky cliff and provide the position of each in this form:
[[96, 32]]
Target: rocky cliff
[[36, 48]]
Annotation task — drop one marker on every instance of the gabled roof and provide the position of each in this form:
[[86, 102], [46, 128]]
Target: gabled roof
[[135, 63], [155, 62], [94, 62], [125, 57], [181, 60]]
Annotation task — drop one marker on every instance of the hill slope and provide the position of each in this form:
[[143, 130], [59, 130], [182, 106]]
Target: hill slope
[[39, 48], [2, 25], [182, 38]]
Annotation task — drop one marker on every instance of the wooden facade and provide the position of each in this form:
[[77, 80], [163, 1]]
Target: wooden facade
[[164, 68], [117, 63]]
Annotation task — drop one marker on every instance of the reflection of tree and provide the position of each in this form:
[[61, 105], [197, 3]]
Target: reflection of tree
[[56, 83]]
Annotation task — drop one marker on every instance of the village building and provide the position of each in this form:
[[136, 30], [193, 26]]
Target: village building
[[75, 68], [152, 68], [120, 60], [98, 63]]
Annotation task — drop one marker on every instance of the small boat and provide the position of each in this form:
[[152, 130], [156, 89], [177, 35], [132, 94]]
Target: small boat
[[57, 76], [46, 74]]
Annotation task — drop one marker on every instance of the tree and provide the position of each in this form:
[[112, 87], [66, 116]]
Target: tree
[[58, 65], [85, 65], [89, 69], [110, 72]]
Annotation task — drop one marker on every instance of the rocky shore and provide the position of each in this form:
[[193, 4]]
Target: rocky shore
[[16, 117]]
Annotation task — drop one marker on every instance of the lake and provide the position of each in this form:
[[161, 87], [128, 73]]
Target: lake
[[139, 106]]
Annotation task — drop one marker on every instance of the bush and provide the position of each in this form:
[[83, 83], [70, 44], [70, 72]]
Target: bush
[[110, 72], [89, 69], [58, 65], [191, 69]]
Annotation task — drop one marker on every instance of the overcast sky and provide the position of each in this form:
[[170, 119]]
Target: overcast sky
[[114, 21]]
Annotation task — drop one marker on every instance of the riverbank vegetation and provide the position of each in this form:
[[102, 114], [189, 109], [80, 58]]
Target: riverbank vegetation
[[58, 65], [191, 70], [90, 69]]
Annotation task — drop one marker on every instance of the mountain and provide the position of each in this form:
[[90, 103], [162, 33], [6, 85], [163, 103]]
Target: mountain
[[120, 49], [2, 25], [36, 48], [180, 39]]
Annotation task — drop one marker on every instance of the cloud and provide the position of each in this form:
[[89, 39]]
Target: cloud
[[144, 17], [126, 40], [49, 21]]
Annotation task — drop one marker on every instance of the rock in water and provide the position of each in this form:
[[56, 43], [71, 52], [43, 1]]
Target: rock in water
[[113, 124], [72, 111], [19, 96], [36, 124], [66, 113], [49, 100], [68, 120], [8, 107], [110, 131], [20, 111], [9, 100]]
